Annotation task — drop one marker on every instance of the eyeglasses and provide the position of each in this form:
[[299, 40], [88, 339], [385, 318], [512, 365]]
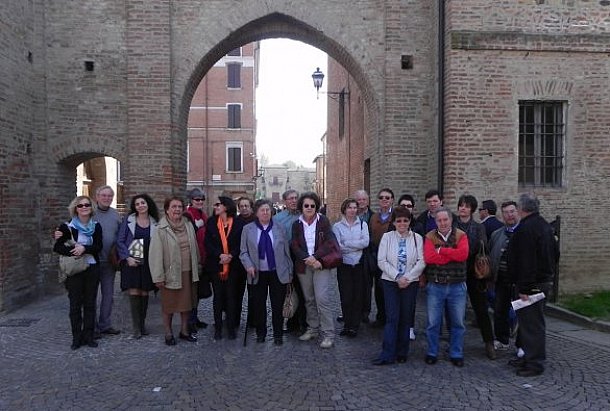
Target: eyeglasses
[[384, 197], [407, 205], [309, 206], [402, 220], [87, 205], [198, 199], [217, 204]]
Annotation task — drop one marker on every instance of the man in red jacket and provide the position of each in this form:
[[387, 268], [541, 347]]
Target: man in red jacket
[[445, 253]]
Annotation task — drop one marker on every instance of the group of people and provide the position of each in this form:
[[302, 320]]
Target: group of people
[[390, 253]]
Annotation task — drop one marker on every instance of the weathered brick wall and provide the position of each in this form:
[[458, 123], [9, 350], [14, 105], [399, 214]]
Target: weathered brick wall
[[500, 52], [149, 58]]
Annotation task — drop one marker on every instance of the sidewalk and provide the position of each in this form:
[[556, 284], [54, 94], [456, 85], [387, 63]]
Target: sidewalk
[[39, 371]]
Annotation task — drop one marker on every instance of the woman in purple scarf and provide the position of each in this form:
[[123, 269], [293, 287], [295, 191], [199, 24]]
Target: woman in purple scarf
[[265, 254]]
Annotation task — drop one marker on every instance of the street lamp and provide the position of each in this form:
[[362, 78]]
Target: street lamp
[[318, 79]]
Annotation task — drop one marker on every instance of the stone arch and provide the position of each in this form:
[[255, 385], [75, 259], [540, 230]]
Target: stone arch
[[278, 25]]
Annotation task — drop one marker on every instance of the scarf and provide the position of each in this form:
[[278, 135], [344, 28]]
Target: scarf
[[265, 246], [177, 227], [87, 229], [224, 273]]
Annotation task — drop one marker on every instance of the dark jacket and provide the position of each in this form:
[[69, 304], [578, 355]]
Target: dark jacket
[[324, 237], [476, 233], [68, 233], [213, 246], [533, 254], [491, 224]]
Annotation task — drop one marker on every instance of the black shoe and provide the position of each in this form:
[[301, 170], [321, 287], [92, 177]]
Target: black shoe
[[430, 359], [218, 334], [517, 362], [111, 331], [458, 362], [187, 337], [529, 372], [380, 361], [377, 324], [352, 333], [201, 324], [92, 344], [170, 340], [75, 345], [343, 332], [192, 328], [401, 359], [232, 334], [260, 338], [340, 319], [278, 341], [97, 335], [366, 319]]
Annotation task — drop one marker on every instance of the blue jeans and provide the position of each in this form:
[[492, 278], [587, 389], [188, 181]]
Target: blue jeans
[[453, 296], [107, 275], [399, 309]]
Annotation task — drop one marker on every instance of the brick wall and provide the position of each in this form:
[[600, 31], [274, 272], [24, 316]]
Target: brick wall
[[149, 57]]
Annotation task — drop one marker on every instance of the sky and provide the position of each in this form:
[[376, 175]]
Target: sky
[[290, 119]]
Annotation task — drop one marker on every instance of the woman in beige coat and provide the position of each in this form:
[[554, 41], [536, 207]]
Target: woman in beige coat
[[174, 265]]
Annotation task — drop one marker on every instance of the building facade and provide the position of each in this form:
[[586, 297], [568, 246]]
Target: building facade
[[275, 179], [222, 126], [490, 97]]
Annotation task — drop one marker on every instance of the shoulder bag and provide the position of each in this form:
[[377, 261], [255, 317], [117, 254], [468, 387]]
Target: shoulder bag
[[482, 264], [291, 302]]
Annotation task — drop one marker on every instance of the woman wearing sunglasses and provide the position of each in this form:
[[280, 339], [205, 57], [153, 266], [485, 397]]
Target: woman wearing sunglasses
[[81, 236], [313, 240], [222, 242]]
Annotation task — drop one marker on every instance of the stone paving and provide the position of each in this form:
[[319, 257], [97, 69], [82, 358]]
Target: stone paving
[[40, 372]]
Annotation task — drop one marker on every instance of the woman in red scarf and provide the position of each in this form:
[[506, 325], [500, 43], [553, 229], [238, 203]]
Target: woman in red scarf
[[222, 241]]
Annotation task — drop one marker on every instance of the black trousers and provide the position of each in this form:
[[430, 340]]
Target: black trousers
[[239, 296], [82, 293], [268, 284], [367, 287], [532, 332], [350, 279], [226, 295], [504, 295], [477, 292]]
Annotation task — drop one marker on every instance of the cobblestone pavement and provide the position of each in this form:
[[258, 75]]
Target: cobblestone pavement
[[40, 372]]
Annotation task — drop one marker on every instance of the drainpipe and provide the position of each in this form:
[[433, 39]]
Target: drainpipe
[[441, 95]]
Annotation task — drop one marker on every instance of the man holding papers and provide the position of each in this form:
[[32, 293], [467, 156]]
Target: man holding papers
[[531, 261]]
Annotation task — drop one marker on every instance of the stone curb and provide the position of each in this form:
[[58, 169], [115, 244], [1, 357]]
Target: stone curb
[[567, 315]]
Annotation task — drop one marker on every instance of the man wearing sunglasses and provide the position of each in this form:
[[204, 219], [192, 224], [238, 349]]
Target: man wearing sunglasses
[[378, 226]]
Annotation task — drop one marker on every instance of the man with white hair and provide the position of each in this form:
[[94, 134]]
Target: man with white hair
[[532, 259]]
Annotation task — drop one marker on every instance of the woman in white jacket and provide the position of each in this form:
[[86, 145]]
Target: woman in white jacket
[[401, 260]]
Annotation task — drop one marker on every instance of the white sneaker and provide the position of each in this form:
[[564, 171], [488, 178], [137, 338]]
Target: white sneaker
[[411, 334], [520, 353], [327, 342], [500, 346], [308, 335]]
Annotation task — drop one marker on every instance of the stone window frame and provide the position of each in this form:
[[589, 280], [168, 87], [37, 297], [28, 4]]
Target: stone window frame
[[542, 141]]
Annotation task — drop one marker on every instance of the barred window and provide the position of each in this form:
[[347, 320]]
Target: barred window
[[541, 143]]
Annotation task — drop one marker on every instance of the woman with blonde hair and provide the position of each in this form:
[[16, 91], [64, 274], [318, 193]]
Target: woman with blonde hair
[[81, 237]]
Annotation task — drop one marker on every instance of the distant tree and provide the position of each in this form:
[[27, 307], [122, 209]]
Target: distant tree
[[290, 164]]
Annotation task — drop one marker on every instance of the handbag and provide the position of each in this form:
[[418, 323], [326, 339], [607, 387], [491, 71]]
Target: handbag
[[482, 264], [136, 250], [291, 302], [71, 265], [333, 258]]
